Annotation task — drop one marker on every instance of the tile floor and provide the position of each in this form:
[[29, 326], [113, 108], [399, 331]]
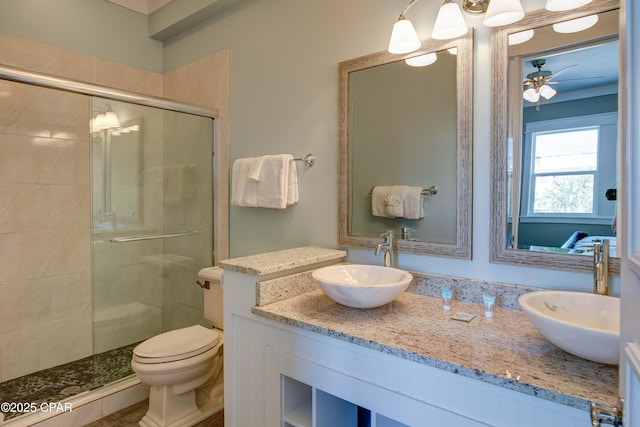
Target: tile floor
[[129, 417]]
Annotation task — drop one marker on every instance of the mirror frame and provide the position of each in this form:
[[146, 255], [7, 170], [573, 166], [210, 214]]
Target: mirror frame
[[464, 89], [499, 131]]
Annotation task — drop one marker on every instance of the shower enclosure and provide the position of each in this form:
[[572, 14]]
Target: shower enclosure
[[105, 220]]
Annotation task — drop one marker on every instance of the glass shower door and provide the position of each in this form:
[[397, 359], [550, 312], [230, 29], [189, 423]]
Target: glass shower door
[[151, 220]]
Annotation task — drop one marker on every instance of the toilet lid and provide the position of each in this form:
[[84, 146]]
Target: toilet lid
[[176, 345]]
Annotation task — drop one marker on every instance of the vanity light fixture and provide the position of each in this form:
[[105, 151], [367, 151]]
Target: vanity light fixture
[[503, 12], [106, 120], [404, 38], [576, 25], [449, 22]]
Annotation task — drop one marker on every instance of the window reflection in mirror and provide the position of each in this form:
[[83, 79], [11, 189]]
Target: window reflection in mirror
[[548, 194], [565, 147]]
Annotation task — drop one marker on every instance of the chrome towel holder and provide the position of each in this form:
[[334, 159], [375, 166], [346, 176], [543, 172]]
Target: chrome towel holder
[[425, 192], [309, 159]]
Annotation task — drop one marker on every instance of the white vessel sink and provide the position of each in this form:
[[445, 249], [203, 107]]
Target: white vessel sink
[[362, 286], [585, 325]]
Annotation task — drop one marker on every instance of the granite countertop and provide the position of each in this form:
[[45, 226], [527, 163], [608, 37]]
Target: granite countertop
[[282, 261], [506, 350]]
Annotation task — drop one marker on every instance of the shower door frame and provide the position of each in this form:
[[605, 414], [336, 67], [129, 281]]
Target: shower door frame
[[54, 82]]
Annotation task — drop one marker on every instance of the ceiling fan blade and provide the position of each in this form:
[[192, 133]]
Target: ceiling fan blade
[[583, 78], [562, 70]]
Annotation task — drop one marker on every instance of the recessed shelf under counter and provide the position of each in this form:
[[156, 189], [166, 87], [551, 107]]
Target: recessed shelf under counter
[[506, 351]]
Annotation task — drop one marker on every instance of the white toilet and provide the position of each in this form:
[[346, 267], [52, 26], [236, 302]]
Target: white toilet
[[184, 367]]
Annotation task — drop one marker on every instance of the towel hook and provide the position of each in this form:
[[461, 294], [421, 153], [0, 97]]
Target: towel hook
[[309, 159]]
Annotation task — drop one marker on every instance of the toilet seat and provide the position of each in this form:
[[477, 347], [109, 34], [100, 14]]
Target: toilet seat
[[176, 345]]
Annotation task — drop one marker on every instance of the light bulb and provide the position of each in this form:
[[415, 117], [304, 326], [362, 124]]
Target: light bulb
[[404, 38], [449, 22], [547, 92], [503, 12], [531, 95]]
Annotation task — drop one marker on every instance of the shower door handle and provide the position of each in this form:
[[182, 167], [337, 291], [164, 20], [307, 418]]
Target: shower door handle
[[155, 236]]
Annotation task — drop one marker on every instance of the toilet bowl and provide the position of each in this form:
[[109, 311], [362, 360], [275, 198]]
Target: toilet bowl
[[183, 369], [176, 365]]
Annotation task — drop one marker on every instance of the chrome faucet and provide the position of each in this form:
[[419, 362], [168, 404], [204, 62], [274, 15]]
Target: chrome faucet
[[387, 247], [601, 267], [406, 234]]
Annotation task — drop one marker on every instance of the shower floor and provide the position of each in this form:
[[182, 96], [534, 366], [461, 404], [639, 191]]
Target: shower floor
[[59, 383]]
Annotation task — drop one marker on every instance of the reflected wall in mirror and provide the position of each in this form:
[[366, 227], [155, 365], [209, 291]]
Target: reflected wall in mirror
[[554, 122], [404, 128]]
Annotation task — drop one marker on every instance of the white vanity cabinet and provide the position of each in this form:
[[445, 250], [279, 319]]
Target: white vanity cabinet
[[296, 378], [277, 374], [337, 399]]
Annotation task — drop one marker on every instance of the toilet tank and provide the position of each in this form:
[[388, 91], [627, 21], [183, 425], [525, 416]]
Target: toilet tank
[[213, 295]]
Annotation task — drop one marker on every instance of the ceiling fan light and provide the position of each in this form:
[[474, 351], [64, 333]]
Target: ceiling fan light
[[404, 38], [576, 25], [520, 37], [547, 92], [422, 60], [449, 22], [503, 12], [531, 95], [560, 5]]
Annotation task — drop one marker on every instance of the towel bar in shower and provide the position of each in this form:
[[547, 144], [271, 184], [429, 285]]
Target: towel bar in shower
[[155, 236]]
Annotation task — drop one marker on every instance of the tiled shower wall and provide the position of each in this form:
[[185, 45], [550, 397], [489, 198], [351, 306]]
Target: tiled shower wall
[[45, 264], [45, 306]]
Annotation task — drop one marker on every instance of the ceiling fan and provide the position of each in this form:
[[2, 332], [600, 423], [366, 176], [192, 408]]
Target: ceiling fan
[[537, 83]]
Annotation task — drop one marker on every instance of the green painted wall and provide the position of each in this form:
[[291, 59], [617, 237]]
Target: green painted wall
[[91, 27]]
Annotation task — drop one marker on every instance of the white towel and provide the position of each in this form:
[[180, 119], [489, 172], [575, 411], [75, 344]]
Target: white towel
[[378, 203], [394, 202], [255, 168], [412, 203], [398, 201], [292, 191], [244, 191], [265, 182], [273, 187]]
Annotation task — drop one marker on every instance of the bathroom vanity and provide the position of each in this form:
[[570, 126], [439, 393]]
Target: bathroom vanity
[[295, 358]]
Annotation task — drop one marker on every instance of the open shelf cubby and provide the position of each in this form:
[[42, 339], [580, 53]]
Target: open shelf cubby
[[307, 406]]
